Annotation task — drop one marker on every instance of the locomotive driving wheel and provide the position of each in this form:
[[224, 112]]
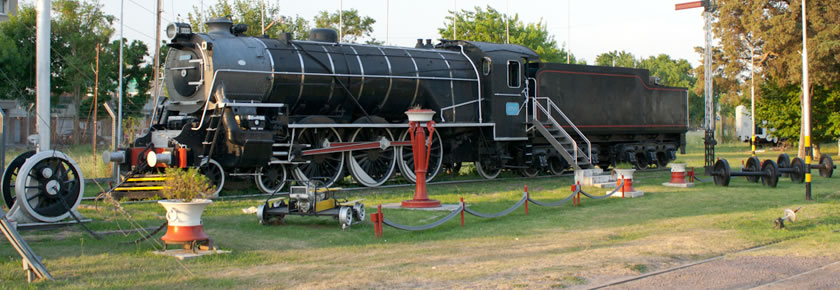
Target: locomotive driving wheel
[[557, 165], [49, 185], [10, 176], [215, 173], [323, 167], [372, 167], [488, 169], [271, 178], [406, 158]]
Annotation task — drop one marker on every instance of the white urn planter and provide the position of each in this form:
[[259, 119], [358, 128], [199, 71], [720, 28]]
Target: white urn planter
[[184, 220]]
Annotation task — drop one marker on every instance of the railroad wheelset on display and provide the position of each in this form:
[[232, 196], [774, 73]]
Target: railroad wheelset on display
[[42, 187], [768, 173]]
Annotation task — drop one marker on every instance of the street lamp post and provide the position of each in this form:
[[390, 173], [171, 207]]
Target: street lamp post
[[752, 91]]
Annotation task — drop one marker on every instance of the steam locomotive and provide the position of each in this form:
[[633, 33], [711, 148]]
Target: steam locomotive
[[316, 109]]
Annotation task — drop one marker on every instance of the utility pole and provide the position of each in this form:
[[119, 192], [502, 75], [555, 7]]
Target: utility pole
[[156, 88], [95, 99], [709, 124], [806, 105], [569, 33], [340, 20], [507, 22], [454, 18], [118, 130], [262, 16], [387, 22], [42, 74]]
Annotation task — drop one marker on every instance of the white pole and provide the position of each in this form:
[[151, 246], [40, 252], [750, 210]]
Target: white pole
[[340, 21], [569, 32], [806, 104], [202, 16], [262, 16], [387, 22], [42, 71], [454, 18], [507, 22], [120, 89], [752, 95]]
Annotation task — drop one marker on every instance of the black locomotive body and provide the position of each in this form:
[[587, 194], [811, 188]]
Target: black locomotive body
[[317, 109]]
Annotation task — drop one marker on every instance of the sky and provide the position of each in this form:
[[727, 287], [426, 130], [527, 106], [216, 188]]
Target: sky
[[644, 28]]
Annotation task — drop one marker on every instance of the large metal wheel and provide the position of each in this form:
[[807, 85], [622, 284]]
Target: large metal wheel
[[827, 168], [406, 158], [487, 170], [783, 162], [372, 167], [327, 168], [529, 172], [753, 165], [797, 173], [557, 165], [271, 178], [642, 161], [770, 169], [662, 159], [10, 176], [215, 173], [49, 185], [721, 172]]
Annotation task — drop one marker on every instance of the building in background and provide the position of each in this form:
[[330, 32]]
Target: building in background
[[7, 8]]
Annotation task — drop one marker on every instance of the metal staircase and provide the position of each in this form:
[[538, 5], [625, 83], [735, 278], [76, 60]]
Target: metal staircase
[[544, 121]]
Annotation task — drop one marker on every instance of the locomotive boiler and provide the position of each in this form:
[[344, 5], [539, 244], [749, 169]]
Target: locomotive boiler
[[278, 109]]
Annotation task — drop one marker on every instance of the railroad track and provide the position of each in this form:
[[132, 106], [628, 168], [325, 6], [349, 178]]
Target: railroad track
[[350, 189], [687, 266]]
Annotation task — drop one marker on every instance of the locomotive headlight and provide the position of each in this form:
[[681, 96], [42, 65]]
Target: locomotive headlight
[[178, 29]]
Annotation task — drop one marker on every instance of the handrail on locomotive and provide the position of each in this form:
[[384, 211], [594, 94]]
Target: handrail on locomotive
[[551, 104]]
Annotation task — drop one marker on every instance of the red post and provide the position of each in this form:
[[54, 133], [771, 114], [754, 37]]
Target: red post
[[421, 158], [622, 186], [463, 206], [527, 197]]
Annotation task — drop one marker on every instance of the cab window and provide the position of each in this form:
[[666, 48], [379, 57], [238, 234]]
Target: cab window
[[513, 74]]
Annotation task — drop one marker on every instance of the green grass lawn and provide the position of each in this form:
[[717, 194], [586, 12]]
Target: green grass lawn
[[548, 247]]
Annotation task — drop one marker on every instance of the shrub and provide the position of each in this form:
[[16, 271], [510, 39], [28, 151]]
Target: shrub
[[186, 185]]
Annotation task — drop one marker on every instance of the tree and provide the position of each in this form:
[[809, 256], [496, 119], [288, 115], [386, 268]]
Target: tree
[[79, 27], [773, 28], [489, 26], [616, 58], [249, 13], [353, 25]]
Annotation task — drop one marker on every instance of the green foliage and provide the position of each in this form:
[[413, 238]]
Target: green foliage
[[617, 58], [353, 25], [489, 26], [249, 13], [186, 184]]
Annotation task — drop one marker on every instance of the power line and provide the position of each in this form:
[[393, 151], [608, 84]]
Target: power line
[[149, 10]]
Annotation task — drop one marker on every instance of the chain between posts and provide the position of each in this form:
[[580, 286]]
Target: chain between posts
[[379, 219]]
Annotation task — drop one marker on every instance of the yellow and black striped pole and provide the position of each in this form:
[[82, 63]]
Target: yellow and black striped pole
[[806, 106]]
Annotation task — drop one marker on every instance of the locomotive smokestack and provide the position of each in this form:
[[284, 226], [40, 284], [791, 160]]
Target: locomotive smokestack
[[220, 25], [419, 43]]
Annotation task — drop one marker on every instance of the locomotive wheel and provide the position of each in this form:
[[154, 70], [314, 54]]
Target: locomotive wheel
[[721, 172], [770, 169], [641, 161], [406, 158], [323, 167], [215, 173], [372, 167], [50, 184], [557, 166], [271, 178], [798, 170], [783, 162], [10, 176], [827, 168], [753, 165], [487, 171], [661, 159], [529, 172]]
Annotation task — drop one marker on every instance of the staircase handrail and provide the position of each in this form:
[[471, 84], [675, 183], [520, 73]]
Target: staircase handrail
[[550, 103]]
